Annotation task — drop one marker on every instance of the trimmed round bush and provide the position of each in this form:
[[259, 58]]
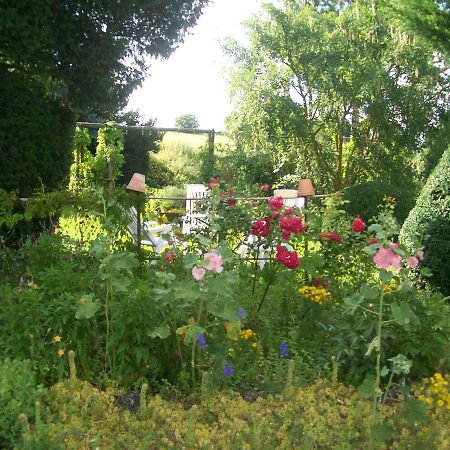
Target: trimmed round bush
[[429, 223], [364, 199]]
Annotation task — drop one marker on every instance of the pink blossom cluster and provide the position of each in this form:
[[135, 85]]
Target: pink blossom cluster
[[214, 264], [287, 258], [386, 258]]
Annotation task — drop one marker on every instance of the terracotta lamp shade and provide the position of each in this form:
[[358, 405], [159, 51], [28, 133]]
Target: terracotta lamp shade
[[305, 188], [137, 183]]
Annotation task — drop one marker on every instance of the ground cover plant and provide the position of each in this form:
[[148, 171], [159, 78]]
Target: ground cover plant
[[267, 304]]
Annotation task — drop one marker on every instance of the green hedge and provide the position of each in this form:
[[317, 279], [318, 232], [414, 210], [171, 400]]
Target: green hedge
[[364, 199], [35, 135], [429, 223]]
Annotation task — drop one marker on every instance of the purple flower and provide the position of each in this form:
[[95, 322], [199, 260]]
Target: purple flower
[[241, 313], [201, 341], [227, 370], [283, 349]]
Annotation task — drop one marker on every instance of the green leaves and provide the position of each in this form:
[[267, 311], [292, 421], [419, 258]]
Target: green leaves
[[87, 307], [161, 331]]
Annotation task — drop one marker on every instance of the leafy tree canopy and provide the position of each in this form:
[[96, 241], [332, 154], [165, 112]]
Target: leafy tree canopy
[[186, 121], [91, 52], [336, 91]]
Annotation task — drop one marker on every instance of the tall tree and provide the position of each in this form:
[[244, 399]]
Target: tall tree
[[335, 93], [186, 121]]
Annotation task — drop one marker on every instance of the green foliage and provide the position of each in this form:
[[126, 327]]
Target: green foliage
[[35, 135], [364, 199], [186, 121], [158, 174], [429, 222], [18, 393]]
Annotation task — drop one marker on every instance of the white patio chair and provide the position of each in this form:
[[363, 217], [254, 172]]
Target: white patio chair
[[151, 233], [194, 220]]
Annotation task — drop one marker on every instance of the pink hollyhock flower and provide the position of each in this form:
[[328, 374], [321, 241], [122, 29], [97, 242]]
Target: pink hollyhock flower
[[214, 262], [265, 187], [412, 262], [419, 254], [373, 240], [198, 273], [393, 245], [358, 225], [385, 258], [330, 236], [169, 257], [261, 227], [275, 203], [213, 183]]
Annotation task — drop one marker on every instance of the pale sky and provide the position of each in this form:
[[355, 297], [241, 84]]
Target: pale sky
[[192, 79]]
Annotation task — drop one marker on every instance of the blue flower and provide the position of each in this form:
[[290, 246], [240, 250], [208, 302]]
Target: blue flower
[[241, 313], [201, 341], [284, 349], [227, 370]]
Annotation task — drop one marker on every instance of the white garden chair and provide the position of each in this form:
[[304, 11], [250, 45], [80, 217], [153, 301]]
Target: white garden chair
[[152, 234], [194, 219]]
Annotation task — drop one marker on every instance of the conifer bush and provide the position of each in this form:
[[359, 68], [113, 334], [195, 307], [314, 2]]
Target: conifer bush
[[429, 222]]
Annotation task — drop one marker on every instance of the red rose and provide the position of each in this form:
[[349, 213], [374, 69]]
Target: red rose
[[287, 258], [231, 201], [213, 183], [265, 187], [275, 203], [358, 225], [315, 282], [373, 240], [330, 236], [261, 227]]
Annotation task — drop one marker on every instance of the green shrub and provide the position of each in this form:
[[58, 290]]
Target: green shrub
[[35, 136], [365, 198], [158, 175], [429, 223], [18, 393]]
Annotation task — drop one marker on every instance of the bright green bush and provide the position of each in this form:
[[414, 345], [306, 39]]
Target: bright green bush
[[324, 415], [429, 223], [364, 199], [18, 393]]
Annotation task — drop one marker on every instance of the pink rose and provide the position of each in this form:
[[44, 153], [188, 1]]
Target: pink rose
[[419, 254], [169, 257], [198, 273]]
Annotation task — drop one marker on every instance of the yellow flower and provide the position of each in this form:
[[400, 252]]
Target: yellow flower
[[57, 338], [254, 345], [61, 352], [440, 403]]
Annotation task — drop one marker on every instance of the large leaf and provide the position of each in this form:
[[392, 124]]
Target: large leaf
[[87, 307], [162, 331]]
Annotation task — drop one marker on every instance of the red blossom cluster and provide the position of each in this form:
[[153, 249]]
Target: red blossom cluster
[[287, 258], [330, 236], [261, 227], [275, 203], [289, 225]]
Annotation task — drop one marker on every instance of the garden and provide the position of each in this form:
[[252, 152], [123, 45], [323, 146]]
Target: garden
[[272, 327], [136, 313]]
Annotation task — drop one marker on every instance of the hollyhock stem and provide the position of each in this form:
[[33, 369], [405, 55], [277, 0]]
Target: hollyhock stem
[[265, 294], [378, 363]]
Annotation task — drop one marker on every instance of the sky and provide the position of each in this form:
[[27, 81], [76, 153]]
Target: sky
[[192, 80]]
